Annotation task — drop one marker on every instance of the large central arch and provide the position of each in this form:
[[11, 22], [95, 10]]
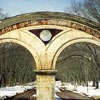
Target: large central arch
[[65, 30]]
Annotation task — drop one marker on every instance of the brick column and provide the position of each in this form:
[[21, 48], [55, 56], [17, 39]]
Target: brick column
[[45, 84]]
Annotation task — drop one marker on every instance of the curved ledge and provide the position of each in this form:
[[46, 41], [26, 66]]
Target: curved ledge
[[45, 72], [48, 15]]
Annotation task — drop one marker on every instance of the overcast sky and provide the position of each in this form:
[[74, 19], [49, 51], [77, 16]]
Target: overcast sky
[[15, 7]]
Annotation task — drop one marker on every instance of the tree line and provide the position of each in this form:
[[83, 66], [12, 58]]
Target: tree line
[[79, 63], [16, 65]]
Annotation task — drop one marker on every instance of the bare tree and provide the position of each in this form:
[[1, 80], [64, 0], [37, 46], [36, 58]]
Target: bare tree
[[16, 65], [3, 15], [88, 8], [79, 63]]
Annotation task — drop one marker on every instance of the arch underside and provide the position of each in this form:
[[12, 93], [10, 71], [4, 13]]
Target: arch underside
[[73, 31]]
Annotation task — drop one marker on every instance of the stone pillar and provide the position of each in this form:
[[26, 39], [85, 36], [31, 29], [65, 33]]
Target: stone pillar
[[45, 84]]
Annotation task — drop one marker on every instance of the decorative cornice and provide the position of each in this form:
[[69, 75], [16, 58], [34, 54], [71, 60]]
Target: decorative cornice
[[50, 18], [64, 23]]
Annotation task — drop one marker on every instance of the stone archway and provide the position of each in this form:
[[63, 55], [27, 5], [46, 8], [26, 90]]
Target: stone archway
[[67, 39], [63, 29], [17, 37]]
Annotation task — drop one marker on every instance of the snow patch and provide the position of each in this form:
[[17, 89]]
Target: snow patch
[[83, 90], [11, 91], [90, 91]]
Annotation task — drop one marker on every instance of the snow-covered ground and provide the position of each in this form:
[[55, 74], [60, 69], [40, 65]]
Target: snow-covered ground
[[83, 90], [11, 91], [90, 91]]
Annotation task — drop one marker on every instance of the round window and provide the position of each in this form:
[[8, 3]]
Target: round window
[[45, 35]]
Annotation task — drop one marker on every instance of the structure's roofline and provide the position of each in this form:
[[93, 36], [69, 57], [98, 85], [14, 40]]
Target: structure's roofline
[[48, 15]]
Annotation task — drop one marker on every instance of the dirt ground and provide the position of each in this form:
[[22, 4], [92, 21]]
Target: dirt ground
[[64, 95]]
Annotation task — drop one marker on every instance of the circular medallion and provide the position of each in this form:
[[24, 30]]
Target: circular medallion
[[45, 35]]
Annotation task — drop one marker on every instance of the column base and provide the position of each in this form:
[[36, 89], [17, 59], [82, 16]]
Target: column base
[[45, 84]]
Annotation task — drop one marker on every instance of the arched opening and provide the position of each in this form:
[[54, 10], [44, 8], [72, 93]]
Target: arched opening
[[79, 64], [17, 65]]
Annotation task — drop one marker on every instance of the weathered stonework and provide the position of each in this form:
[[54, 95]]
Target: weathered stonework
[[56, 22], [45, 84], [74, 29]]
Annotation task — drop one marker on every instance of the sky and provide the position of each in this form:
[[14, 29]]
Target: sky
[[16, 7]]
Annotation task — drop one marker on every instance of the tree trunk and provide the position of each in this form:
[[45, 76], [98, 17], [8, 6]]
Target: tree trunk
[[82, 83], [1, 82], [4, 80], [97, 84], [93, 82], [86, 83], [78, 83]]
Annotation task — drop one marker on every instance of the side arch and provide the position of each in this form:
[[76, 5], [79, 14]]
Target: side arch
[[26, 46], [74, 41], [67, 39]]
